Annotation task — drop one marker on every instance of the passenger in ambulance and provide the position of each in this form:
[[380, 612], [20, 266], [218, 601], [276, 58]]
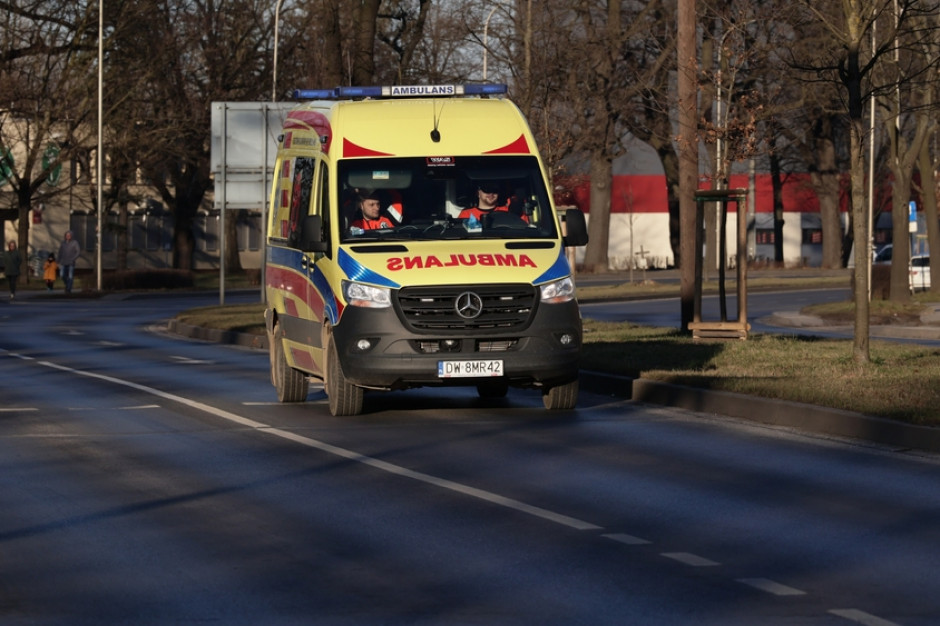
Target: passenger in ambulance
[[370, 212]]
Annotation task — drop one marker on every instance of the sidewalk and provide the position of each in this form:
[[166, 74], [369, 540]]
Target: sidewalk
[[928, 329]]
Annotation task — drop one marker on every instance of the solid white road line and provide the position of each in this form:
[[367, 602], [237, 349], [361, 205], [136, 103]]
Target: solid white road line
[[390, 468]]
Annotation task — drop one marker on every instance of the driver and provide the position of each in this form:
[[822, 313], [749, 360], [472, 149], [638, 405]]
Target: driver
[[370, 209]]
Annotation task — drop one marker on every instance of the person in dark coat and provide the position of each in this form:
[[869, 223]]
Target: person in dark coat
[[11, 266], [69, 251]]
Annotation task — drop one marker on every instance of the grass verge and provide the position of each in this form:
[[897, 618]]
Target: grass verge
[[901, 382]]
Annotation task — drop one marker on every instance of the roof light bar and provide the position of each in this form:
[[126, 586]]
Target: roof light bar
[[313, 94], [485, 89], [358, 92], [403, 91]]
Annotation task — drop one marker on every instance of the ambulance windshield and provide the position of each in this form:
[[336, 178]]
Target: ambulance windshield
[[434, 198]]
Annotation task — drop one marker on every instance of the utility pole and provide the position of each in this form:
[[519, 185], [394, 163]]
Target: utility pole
[[688, 154]]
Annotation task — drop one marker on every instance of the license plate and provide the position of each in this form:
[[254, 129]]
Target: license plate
[[470, 369]]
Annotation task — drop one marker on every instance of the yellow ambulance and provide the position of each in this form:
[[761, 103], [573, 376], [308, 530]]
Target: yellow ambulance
[[412, 241]]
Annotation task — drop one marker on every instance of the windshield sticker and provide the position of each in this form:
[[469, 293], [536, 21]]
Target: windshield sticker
[[438, 161]]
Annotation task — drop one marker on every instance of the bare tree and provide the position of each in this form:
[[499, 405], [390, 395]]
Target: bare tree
[[847, 58], [904, 91], [576, 67], [45, 58]]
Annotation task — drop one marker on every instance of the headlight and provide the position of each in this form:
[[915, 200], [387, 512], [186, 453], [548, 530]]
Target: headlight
[[358, 294], [558, 291]]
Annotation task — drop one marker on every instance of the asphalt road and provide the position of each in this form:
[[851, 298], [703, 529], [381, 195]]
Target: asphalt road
[[666, 312], [148, 479]]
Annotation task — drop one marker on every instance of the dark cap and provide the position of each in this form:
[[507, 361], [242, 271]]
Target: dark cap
[[369, 194], [488, 186]]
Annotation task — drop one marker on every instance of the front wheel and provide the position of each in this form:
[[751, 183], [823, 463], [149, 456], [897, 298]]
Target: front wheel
[[561, 397], [291, 384], [345, 398]]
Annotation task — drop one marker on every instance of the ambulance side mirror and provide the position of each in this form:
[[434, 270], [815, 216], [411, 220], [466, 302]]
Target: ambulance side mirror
[[311, 234], [575, 228]]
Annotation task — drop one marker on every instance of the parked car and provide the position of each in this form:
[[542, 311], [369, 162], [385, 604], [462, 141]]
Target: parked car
[[920, 272]]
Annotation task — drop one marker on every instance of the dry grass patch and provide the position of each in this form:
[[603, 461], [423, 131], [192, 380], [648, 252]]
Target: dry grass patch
[[902, 382], [242, 318]]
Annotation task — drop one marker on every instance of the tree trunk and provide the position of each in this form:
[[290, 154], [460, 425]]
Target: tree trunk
[[928, 194], [900, 238], [670, 161], [121, 237], [688, 153], [596, 254], [826, 185], [905, 156], [861, 352], [233, 260], [776, 183], [363, 70]]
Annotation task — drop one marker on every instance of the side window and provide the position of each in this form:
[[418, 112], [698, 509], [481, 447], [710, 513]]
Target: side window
[[280, 206], [301, 194], [292, 199]]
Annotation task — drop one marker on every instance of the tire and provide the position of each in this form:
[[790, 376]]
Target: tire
[[291, 384], [345, 398], [562, 397], [493, 389]]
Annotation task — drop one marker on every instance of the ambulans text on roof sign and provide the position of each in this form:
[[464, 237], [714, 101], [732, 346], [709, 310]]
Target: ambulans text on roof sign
[[403, 91]]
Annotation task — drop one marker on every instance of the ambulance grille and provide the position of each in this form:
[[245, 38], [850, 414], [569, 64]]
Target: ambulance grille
[[503, 307]]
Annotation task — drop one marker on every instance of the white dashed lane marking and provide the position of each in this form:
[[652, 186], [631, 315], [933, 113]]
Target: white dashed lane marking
[[692, 560], [188, 361], [629, 540], [771, 586], [861, 617]]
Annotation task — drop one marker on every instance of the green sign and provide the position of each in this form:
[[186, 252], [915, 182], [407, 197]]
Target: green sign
[[49, 157], [6, 167]]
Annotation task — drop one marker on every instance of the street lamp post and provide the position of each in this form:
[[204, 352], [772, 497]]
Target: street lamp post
[[277, 22], [486, 28], [100, 159]]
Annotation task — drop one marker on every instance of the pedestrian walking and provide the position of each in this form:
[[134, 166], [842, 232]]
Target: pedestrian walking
[[69, 251], [11, 266], [49, 271]]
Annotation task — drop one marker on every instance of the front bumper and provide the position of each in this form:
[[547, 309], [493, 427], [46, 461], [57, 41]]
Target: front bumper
[[378, 350]]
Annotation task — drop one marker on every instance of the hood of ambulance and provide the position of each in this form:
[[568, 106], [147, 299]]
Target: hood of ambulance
[[404, 127], [470, 126], [453, 262]]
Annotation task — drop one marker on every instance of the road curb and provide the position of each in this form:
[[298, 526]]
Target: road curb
[[782, 413], [804, 417], [217, 335]]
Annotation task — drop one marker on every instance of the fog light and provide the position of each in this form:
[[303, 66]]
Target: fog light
[[364, 345], [450, 344], [566, 339]]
